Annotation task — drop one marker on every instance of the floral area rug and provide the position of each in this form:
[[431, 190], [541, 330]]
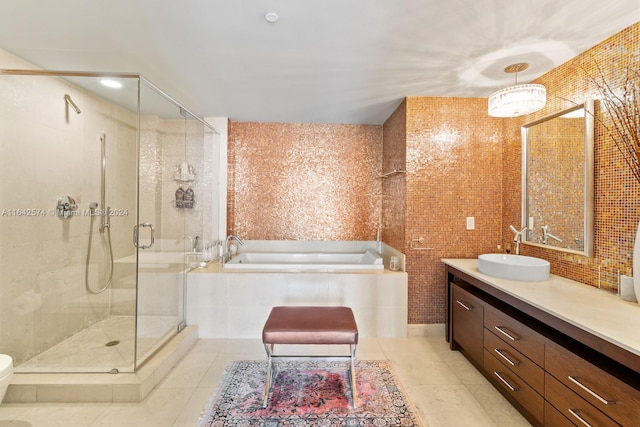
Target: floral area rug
[[309, 392]]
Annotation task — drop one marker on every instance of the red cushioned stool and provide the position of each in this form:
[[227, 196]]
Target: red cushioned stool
[[310, 325]]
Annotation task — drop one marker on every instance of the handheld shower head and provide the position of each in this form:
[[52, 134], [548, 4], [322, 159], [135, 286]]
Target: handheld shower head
[[69, 101]]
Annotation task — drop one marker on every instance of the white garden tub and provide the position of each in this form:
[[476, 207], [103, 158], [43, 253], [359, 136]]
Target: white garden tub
[[368, 261]]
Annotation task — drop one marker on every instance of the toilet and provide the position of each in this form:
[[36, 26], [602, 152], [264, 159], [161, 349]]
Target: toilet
[[6, 371]]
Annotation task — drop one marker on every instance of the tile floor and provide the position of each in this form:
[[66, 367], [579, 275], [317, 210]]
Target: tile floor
[[444, 387]]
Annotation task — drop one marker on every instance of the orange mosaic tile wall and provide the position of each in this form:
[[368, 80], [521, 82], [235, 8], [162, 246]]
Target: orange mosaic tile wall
[[454, 171], [304, 181], [617, 201], [394, 187], [308, 181]]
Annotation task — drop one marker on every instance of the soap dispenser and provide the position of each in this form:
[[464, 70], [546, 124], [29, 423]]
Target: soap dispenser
[[189, 197], [180, 197]]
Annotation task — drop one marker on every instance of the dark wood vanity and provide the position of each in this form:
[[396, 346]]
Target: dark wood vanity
[[553, 371]]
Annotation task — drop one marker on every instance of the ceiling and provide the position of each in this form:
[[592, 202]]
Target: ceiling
[[323, 61]]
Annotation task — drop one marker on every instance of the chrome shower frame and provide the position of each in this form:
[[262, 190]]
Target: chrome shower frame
[[96, 208]]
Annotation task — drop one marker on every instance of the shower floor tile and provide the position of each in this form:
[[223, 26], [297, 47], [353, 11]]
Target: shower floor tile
[[106, 345]]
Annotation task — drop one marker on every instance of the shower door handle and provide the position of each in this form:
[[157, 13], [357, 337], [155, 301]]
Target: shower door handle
[[135, 235]]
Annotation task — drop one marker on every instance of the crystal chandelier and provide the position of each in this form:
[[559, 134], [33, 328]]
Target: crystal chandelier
[[517, 100]]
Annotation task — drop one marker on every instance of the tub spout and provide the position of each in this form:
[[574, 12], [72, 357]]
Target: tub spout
[[193, 242], [227, 251]]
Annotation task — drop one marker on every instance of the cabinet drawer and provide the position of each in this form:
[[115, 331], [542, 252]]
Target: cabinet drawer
[[553, 417], [514, 386], [604, 391], [467, 322], [572, 406], [515, 361], [519, 336]]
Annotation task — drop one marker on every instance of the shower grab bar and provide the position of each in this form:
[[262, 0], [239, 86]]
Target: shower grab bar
[[135, 235]]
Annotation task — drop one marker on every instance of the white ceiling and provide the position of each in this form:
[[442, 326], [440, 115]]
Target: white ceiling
[[324, 61]]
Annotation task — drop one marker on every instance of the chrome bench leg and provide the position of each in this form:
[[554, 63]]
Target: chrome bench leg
[[267, 382], [352, 371]]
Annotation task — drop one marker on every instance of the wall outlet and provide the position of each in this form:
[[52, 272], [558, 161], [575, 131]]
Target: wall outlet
[[471, 223]]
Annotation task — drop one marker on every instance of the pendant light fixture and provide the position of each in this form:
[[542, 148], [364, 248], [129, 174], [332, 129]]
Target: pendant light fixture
[[514, 101]]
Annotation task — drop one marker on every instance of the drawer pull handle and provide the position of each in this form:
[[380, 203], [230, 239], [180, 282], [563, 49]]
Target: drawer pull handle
[[506, 334], [501, 353], [574, 412], [577, 382], [466, 307], [500, 377]]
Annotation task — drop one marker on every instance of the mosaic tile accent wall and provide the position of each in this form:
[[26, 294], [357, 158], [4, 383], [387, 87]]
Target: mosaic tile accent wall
[[617, 201], [454, 171], [304, 181], [394, 187], [459, 162]]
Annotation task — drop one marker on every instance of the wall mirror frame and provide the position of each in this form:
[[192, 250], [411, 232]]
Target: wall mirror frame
[[558, 180]]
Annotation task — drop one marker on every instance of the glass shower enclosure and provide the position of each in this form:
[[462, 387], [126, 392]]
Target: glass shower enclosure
[[104, 198]]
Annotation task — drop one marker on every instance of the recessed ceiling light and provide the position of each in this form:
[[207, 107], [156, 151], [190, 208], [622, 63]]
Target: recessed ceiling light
[[113, 84], [271, 17]]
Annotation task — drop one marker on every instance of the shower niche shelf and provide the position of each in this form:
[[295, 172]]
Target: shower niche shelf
[[184, 172], [183, 208]]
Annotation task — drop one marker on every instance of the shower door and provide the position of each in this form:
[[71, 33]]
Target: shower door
[[163, 240]]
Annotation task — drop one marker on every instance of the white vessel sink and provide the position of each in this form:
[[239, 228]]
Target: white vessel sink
[[514, 267]]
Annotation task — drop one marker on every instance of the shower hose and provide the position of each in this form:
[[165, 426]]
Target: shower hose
[[106, 229]]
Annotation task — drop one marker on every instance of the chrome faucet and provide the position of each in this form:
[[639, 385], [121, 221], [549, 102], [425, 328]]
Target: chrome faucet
[[546, 235], [518, 237], [227, 251], [194, 243]]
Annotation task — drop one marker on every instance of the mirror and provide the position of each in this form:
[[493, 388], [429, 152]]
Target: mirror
[[557, 180]]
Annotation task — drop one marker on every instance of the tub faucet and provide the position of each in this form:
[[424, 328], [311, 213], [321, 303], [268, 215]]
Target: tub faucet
[[546, 235], [227, 251], [191, 240], [518, 237]]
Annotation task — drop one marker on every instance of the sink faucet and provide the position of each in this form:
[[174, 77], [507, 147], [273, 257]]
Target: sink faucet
[[227, 251], [546, 235], [518, 237]]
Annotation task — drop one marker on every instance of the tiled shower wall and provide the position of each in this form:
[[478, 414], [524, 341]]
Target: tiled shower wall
[[304, 181], [46, 153]]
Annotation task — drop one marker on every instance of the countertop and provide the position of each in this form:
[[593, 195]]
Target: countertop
[[599, 312]]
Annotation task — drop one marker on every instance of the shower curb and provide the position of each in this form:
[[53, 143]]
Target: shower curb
[[102, 388]]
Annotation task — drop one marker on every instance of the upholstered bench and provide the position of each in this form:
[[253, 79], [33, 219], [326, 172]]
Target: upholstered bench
[[310, 325]]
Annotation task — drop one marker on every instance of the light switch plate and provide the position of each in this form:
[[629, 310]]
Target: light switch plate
[[471, 223]]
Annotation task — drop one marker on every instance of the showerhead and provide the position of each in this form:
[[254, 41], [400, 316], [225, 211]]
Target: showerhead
[[69, 101]]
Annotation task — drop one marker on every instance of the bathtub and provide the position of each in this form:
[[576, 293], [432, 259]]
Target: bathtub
[[368, 261], [162, 259], [234, 300]]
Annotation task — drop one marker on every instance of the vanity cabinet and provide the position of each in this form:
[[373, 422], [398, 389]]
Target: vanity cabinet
[[596, 389], [468, 312], [552, 375], [514, 360]]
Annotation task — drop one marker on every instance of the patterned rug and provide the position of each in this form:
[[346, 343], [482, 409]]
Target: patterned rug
[[309, 392]]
